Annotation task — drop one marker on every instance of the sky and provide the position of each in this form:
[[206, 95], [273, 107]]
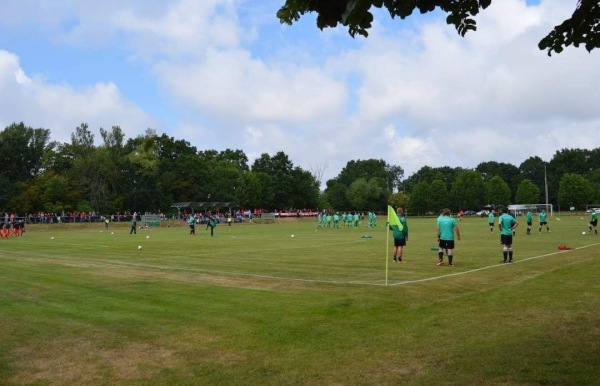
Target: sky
[[226, 74]]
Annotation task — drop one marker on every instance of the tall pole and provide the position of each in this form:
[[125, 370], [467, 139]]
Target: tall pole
[[546, 187]]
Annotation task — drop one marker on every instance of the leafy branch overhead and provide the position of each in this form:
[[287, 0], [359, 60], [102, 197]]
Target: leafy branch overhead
[[583, 27]]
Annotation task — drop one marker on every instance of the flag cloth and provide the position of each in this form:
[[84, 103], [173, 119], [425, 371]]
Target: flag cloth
[[393, 218]]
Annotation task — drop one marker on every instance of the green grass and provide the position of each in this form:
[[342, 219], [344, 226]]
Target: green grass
[[253, 305]]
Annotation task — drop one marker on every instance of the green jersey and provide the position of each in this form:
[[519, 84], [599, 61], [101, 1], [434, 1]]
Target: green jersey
[[594, 216], [529, 217], [543, 217], [506, 222], [446, 225], [491, 217], [400, 234]]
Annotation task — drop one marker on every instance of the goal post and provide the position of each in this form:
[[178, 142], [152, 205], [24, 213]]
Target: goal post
[[520, 209], [268, 217], [150, 220]]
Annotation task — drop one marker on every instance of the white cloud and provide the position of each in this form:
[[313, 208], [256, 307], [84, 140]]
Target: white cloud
[[235, 78], [61, 108]]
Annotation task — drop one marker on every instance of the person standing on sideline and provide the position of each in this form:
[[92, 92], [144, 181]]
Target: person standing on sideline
[[133, 224], [594, 222], [400, 236], [507, 225], [491, 220], [446, 228], [543, 221], [529, 218]]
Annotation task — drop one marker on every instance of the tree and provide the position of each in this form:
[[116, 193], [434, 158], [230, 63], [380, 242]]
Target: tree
[[469, 190], [293, 187], [389, 176], [335, 195], [366, 194], [318, 170], [574, 191], [428, 174], [583, 27], [533, 169], [419, 198], [527, 193], [22, 154], [497, 192], [398, 200], [438, 196], [509, 173], [370, 168]]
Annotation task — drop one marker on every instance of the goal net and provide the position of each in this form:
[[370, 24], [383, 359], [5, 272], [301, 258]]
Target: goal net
[[150, 220]]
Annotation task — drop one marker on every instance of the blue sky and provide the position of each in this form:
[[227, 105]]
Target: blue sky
[[226, 74]]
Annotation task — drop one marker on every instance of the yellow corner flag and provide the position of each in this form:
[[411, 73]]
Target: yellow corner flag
[[393, 218]]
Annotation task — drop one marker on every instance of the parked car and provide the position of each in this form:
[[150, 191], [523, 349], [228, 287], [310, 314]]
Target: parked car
[[470, 212]]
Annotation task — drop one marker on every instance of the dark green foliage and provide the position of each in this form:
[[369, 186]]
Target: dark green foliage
[[583, 27]]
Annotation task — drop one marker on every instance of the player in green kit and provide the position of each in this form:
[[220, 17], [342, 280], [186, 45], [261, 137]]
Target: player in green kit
[[543, 221], [594, 222], [491, 220], [529, 218], [400, 236], [507, 225], [445, 230], [192, 224], [133, 228]]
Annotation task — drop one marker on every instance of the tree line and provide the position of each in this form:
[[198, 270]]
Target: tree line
[[571, 179], [150, 172]]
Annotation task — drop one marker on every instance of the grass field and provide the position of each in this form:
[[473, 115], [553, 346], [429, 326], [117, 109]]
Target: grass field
[[253, 305]]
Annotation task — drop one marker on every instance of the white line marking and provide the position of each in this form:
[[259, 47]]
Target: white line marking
[[354, 282]]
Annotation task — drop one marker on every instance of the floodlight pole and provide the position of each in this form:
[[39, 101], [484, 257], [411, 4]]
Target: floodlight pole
[[546, 188]]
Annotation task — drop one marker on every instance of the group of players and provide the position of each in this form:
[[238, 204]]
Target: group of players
[[14, 228], [328, 219], [447, 228]]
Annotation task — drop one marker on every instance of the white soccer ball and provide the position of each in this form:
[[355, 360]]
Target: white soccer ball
[[52, 238], [583, 233], [139, 247], [112, 233], [147, 237], [292, 235]]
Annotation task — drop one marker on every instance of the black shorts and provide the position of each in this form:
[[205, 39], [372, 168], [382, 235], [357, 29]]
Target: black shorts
[[594, 223], [400, 242], [506, 239], [529, 223], [446, 244], [542, 223]]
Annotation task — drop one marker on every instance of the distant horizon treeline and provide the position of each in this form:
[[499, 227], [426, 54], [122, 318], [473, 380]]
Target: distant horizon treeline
[[150, 172]]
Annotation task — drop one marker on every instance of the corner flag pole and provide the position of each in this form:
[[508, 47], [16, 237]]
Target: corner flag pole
[[387, 250]]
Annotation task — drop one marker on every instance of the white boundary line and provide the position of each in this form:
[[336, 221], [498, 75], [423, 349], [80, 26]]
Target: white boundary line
[[228, 273], [488, 267]]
